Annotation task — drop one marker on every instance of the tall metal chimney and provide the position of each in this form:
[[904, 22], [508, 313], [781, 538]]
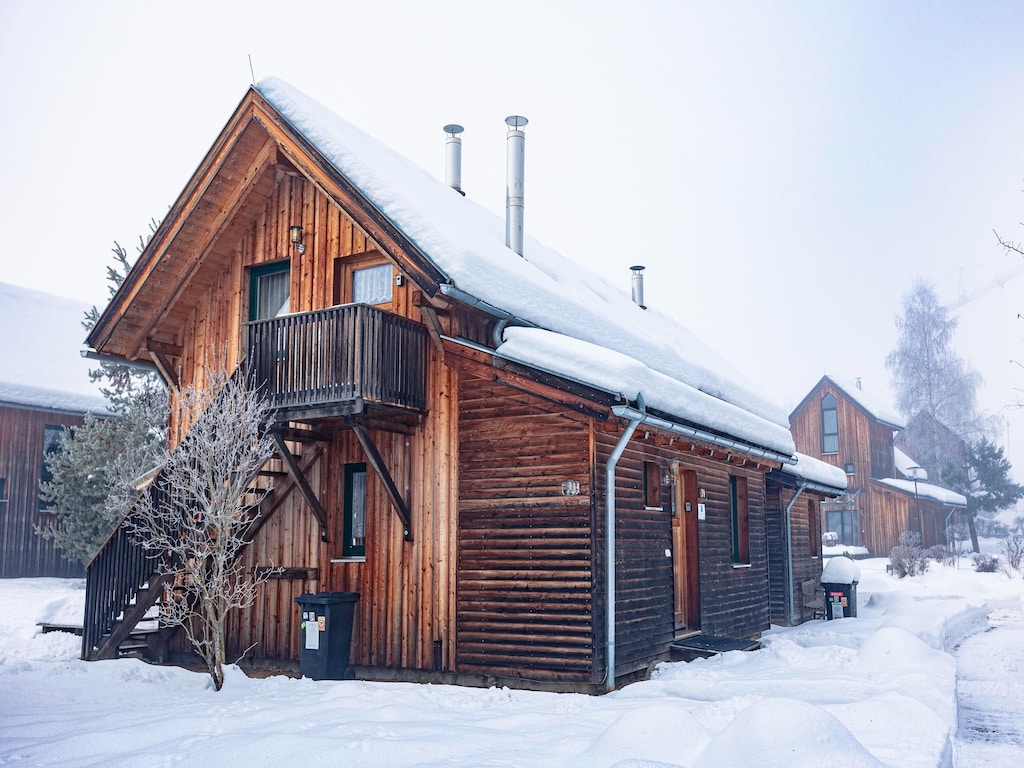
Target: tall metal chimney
[[453, 157], [514, 170], [638, 285]]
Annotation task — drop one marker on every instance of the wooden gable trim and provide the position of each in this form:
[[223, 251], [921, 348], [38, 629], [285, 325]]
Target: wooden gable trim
[[323, 175], [198, 185]]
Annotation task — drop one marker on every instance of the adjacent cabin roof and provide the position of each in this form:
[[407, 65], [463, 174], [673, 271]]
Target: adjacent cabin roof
[[903, 463], [562, 318], [925, 491], [581, 321], [41, 365], [874, 404], [822, 475]]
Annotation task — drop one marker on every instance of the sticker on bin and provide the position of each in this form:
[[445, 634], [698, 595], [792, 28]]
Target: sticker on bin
[[321, 623], [312, 633]]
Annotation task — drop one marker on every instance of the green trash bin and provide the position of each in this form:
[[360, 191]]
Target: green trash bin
[[326, 639], [840, 600]]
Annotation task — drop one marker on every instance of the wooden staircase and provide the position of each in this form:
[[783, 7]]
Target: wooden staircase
[[124, 582]]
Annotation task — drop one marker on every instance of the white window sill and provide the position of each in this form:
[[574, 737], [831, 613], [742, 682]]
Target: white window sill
[[348, 559], [741, 565]]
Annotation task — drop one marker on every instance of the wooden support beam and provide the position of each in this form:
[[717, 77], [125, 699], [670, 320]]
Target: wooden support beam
[[377, 462], [107, 649], [280, 492], [300, 480]]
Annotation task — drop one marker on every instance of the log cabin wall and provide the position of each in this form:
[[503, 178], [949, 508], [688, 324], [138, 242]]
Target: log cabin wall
[[525, 551], [22, 552], [805, 517], [733, 597]]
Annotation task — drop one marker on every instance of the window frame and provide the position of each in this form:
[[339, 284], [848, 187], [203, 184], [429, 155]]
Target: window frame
[[829, 405], [349, 549], [813, 527], [739, 519], [63, 434], [345, 268], [258, 271], [652, 485]]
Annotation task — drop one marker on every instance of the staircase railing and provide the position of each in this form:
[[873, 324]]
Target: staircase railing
[[116, 579]]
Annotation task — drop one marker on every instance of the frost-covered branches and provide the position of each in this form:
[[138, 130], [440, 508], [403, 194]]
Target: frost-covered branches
[[195, 520]]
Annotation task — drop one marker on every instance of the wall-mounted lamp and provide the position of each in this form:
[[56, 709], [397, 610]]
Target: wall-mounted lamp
[[295, 234]]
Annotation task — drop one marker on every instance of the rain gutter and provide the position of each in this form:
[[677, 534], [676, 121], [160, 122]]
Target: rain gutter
[[789, 552], [609, 526], [629, 412]]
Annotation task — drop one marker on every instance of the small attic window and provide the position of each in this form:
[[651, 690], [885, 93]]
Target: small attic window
[[850, 469]]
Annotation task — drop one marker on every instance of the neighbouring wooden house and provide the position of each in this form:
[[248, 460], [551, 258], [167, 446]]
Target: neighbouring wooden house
[[526, 476], [794, 495], [841, 424], [44, 389]]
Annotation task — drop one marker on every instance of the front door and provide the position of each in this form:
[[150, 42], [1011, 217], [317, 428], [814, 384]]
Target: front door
[[685, 551]]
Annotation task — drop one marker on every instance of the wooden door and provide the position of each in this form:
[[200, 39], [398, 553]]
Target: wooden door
[[685, 551]]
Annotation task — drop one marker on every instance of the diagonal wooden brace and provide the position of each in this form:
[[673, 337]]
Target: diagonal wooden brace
[[377, 462]]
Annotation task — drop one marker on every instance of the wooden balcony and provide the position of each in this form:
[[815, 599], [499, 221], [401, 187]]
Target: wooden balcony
[[340, 361]]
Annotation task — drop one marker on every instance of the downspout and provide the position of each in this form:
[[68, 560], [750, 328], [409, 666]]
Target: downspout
[[789, 552], [609, 527]]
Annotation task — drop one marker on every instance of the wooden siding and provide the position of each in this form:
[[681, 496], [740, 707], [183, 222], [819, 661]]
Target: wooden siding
[[525, 555], [22, 552], [733, 598], [214, 327]]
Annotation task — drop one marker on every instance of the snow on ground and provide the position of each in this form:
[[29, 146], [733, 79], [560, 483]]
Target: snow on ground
[[874, 690]]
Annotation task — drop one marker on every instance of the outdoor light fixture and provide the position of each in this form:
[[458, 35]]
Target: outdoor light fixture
[[295, 233]]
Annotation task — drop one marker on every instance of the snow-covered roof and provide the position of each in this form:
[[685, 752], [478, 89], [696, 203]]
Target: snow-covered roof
[[874, 403], [904, 464], [816, 471], [925, 491], [585, 328], [40, 361]]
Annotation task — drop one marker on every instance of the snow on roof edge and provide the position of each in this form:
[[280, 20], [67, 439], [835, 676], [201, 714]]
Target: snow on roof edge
[[466, 242]]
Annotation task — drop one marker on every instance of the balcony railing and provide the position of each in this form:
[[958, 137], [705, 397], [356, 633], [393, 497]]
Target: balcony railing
[[338, 360]]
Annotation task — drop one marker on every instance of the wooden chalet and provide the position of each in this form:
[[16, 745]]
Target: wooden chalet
[[837, 422], [44, 388], [460, 427]]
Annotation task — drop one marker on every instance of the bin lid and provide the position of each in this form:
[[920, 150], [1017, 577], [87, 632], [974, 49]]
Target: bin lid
[[323, 598], [840, 570]]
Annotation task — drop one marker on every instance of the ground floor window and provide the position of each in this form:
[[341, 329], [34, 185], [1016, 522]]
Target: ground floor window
[[844, 523], [740, 524], [354, 533]]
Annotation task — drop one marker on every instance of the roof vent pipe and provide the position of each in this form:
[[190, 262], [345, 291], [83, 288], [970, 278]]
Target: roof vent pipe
[[638, 285], [514, 171], [453, 157]]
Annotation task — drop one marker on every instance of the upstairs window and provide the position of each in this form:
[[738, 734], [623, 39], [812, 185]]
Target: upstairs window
[[829, 424], [269, 291], [372, 285]]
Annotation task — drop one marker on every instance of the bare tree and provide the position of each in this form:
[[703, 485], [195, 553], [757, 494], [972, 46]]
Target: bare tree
[[195, 521], [935, 388]]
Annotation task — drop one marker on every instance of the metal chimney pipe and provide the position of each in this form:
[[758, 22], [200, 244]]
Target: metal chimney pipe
[[638, 285], [514, 171], [453, 157]]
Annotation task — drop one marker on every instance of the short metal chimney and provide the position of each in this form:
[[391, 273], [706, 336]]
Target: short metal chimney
[[638, 285], [453, 157], [515, 168]]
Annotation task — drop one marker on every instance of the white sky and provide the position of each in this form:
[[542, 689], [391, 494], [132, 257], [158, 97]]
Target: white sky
[[785, 172]]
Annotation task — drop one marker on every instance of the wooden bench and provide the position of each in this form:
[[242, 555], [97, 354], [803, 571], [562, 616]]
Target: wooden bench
[[814, 599]]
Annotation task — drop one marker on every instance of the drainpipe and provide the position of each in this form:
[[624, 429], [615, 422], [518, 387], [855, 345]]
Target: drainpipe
[[609, 527], [789, 552]]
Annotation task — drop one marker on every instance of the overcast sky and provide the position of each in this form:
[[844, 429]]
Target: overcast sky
[[784, 170]]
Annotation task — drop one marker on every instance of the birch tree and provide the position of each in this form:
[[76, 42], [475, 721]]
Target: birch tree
[[195, 522]]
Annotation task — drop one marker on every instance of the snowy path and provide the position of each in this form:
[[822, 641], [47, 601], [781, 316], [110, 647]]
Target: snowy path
[[989, 681]]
